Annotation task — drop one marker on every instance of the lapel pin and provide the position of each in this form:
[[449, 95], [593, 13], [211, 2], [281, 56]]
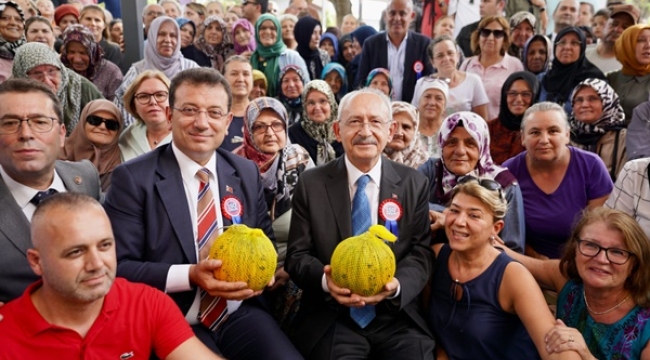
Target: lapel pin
[[394, 196], [229, 189], [77, 180]]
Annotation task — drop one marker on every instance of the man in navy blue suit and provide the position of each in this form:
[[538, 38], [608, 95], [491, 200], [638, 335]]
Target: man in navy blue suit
[[155, 209]]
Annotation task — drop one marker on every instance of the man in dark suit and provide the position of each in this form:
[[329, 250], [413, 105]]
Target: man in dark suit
[[155, 206], [326, 326], [31, 137], [402, 52]]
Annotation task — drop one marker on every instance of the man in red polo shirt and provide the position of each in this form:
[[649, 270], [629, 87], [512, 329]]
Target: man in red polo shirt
[[78, 310]]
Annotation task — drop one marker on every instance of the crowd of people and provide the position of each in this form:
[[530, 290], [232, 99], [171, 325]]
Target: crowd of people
[[510, 159]]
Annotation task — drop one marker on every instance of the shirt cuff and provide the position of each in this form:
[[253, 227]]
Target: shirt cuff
[[178, 278], [399, 289], [323, 283]]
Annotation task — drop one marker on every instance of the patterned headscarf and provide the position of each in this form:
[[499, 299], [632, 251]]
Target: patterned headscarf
[[82, 35], [35, 54], [344, 79], [246, 25], [219, 53], [322, 133], [270, 54], [478, 130], [386, 73], [625, 50], [293, 106], [7, 48], [169, 66], [612, 117], [413, 155]]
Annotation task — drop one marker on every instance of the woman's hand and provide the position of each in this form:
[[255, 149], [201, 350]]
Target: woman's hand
[[563, 338], [437, 220], [534, 254], [281, 278]]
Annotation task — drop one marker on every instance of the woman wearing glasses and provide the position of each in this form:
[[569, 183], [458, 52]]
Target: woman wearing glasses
[[568, 68], [147, 101], [484, 305], [95, 139], [465, 144], [490, 43], [603, 281]]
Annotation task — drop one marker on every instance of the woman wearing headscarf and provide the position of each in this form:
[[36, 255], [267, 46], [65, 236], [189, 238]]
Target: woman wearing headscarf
[[271, 55], [96, 139], [536, 56], [12, 36], [260, 86], [405, 146], [84, 56], [162, 52], [330, 43], [517, 94], [380, 79], [632, 82], [307, 33], [598, 123], [243, 34], [37, 61], [569, 68], [345, 51], [189, 51], [431, 95], [215, 41], [465, 143], [292, 83], [335, 76], [359, 36], [314, 132]]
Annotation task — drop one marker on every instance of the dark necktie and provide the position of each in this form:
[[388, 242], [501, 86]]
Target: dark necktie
[[42, 195]]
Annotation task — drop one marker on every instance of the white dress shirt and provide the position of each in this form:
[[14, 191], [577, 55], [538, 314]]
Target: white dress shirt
[[396, 59], [24, 194]]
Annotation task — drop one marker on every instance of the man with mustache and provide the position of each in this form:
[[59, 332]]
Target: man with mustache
[[343, 198], [31, 136], [602, 55], [79, 307]]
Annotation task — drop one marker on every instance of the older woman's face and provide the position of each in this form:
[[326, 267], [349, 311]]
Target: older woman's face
[[11, 24], [521, 33], [493, 42], [39, 32], [48, 75], [287, 29], [259, 90], [432, 104], [643, 47], [519, 97], [117, 31], [291, 85], [469, 223], [404, 133], [380, 82], [171, 10], [318, 107], [77, 56], [567, 50], [445, 56], [333, 79], [536, 56], [587, 105], [94, 20], [187, 35], [213, 34], [100, 135], [315, 38], [598, 272], [267, 139], [167, 39], [348, 51], [67, 21], [545, 136], [153, 112], [461, 152], [268, 33]]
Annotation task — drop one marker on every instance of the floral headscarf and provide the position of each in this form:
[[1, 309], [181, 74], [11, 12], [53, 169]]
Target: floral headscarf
[[612, 117], [244, 23], [82, 35], [219, 53], [413, 155], [170, 66], [478, 130], [386, 73], [8, 49], [625, 50], [322, 133], [344, 79]]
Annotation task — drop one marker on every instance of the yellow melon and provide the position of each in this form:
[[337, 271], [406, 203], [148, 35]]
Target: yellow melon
[[246, 254], [364, 263]]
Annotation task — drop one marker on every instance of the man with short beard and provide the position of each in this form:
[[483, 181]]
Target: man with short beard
[[602, 55]]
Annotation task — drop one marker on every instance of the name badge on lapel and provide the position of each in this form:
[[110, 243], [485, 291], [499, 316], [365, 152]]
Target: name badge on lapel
[[232, 209], [390, 210]]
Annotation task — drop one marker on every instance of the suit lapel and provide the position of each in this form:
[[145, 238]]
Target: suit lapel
[[409, 60], [389, 187], [172, 194], [229, 184], [338, 191], [13, 222], [72, 179]]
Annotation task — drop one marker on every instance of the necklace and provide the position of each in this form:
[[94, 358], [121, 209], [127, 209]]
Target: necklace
[[156, 140], [606, 311]]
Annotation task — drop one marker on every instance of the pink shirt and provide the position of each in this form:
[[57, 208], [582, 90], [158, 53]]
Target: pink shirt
[[493, 78]]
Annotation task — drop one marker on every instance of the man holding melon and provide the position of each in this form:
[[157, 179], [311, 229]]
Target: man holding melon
[[344, 198]]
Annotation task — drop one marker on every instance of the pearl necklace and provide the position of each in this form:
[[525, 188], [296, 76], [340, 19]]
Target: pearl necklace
[[606, 311]]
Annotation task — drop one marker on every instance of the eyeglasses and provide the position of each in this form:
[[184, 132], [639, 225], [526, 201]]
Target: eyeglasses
[[434, 78], [569, 43], [526, 95], [38, 124], [41, 75], [95, 120], [589, 99], [276, 126], [145, 98], [498, 34], [193, 112], [615, 256], [357, 125], [488, 184]]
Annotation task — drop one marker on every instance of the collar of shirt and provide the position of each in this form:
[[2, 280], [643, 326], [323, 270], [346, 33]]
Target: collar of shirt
[[23, 194], [474, 61], [403, 43], [354, 174], [189, 167]]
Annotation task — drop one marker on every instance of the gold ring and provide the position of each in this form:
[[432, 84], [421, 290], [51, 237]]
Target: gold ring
[[570, 338]]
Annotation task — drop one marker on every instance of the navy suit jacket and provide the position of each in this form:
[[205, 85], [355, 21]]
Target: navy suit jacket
[[375, 55], [150, 215]]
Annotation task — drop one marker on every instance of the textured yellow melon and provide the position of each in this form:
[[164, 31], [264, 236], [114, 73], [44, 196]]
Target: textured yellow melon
[[247, 255], [364, 264]]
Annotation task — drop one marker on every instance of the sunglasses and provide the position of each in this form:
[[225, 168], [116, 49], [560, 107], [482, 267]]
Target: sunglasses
[[488, 184], [498, 34], [95, 120]]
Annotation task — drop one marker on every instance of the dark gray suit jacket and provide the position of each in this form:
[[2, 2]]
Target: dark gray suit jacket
[[322, 218], [15, 273]]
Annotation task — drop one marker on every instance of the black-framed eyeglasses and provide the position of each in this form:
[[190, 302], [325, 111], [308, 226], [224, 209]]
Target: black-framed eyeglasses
[[498, 34], [276, 126], [95, 120], [38, 124], [192, 112], [144, 98], [488, 184], [614, 255]]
